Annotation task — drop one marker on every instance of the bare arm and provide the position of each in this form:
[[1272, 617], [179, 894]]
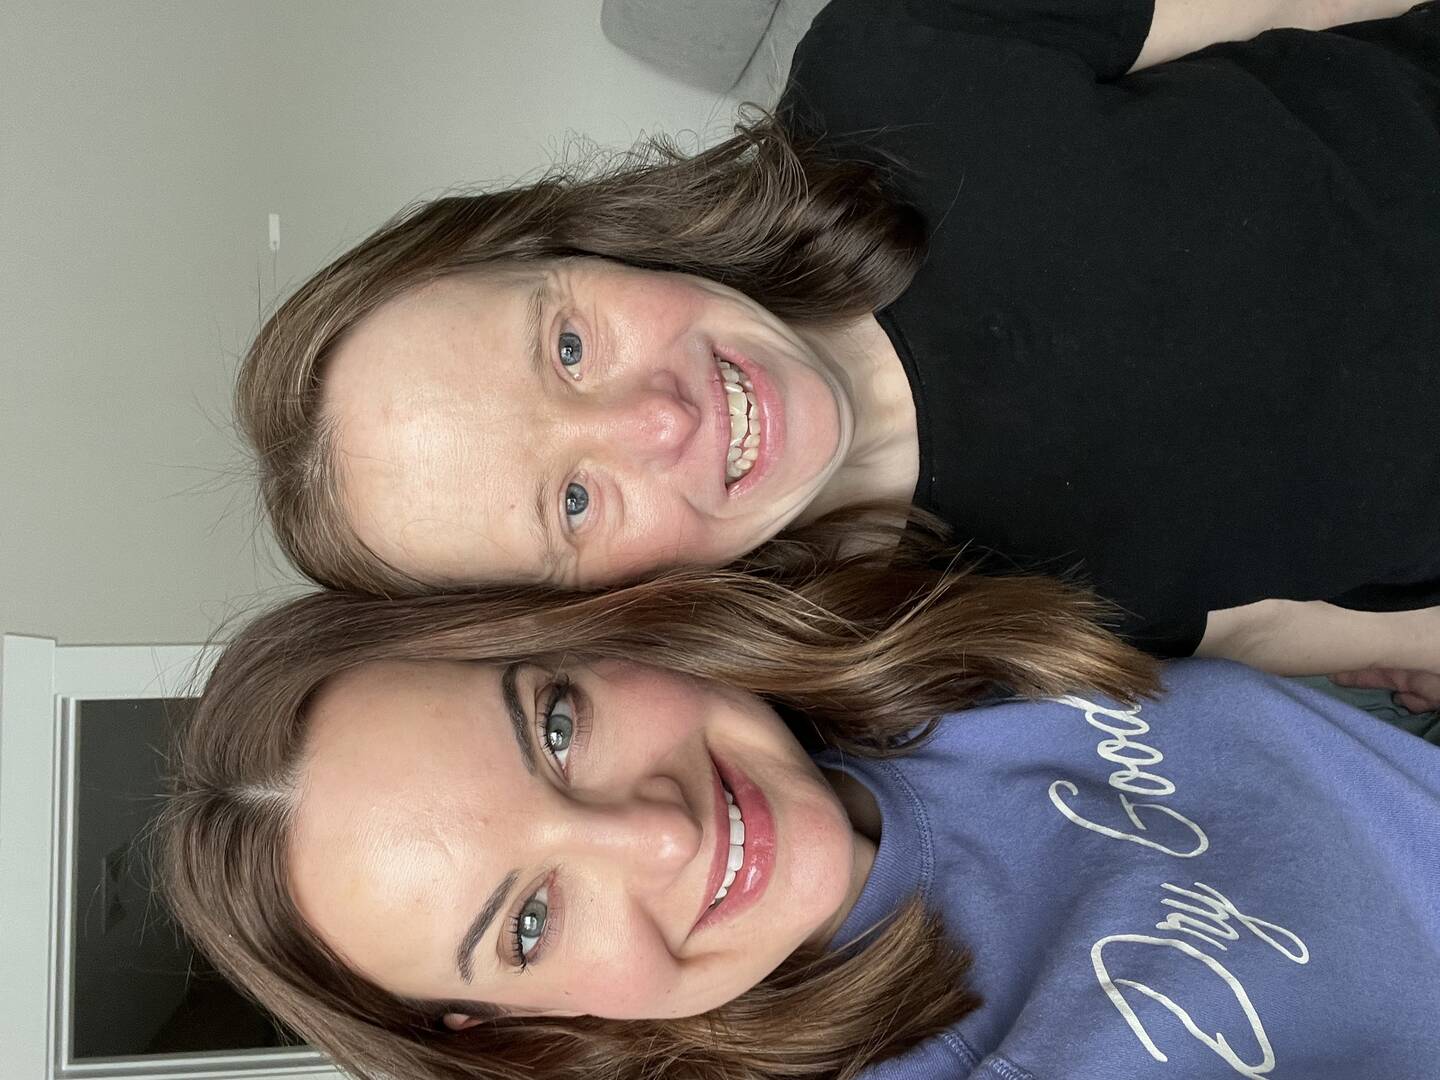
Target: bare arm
[[1289, 637], [1180, 27]]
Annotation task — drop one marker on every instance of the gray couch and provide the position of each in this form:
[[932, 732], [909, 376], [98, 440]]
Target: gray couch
[[741, 48]]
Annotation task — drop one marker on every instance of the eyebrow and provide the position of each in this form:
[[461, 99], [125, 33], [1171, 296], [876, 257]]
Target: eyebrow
[[519, 722], [520, 726], [549, 554], [465, 954], [550, 559], [534, 311]]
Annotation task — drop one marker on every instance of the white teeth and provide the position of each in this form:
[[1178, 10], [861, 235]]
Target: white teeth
[[744, 449], [735, 857]]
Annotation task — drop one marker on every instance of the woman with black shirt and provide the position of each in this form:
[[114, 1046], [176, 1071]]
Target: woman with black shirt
[[1166, 318]]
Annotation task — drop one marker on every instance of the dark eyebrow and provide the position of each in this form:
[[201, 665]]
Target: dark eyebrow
[[466, 952], [519, 723], [520, 726]]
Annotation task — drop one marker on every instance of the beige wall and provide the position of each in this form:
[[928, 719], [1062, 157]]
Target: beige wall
[[142, 146]]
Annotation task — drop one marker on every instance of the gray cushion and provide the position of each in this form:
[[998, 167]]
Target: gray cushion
[[737, 47], [706, 43], [764, 77]]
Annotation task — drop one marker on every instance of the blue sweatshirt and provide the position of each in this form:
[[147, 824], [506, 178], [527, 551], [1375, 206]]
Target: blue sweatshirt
[[1241, 878]]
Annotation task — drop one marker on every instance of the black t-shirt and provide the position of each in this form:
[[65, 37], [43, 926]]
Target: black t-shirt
[[1177, 330]]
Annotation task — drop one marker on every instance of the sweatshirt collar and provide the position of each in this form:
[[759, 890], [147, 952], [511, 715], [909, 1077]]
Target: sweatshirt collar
[[904, 858]]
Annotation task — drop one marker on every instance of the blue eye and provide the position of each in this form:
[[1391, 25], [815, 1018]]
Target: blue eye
[[528, 926], [572, 349], [557, 728], [577, 502]]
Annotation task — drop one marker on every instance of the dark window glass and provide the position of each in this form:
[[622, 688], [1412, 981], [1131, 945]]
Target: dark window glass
[[137, 986]]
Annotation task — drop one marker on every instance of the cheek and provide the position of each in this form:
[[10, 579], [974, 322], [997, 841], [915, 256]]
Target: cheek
[[664, 530], [818, 859], [633, 979], [670, 305], [671, 704], [646, 333]]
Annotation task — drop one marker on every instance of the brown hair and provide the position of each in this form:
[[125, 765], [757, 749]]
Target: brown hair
[[811, 236], [870, 669]]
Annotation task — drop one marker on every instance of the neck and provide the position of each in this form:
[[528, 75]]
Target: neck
[[883, 458]]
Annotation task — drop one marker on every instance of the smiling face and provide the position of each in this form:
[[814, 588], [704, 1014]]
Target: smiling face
[[580, 422], [556, 843]]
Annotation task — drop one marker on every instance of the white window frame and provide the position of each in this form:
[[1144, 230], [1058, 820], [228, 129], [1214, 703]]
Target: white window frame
[[41, 687]]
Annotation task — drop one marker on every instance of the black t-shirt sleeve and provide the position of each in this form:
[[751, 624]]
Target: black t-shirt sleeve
[[1105, 35], [1170, 638]]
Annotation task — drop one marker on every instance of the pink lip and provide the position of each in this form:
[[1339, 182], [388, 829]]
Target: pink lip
[[722, 418], [721, 819], [772, 424], [749, 884]]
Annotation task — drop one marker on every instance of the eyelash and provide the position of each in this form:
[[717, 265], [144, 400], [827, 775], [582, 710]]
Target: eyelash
[[575, 374], [517, 947], [556, 692]]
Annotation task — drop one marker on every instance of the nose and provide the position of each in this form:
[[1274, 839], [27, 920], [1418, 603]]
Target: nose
[[649, 835], [650, 422]]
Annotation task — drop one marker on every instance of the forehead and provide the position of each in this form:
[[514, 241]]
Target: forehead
[[406, 765], [417, 357], [447, 302], [389, 698], [428, 398], [400, 740]]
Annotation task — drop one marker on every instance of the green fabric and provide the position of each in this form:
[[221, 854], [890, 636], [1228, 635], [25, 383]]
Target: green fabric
[[1380, 704]]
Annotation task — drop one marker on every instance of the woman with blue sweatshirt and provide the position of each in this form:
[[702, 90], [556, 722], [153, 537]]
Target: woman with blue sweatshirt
[[714, 827]]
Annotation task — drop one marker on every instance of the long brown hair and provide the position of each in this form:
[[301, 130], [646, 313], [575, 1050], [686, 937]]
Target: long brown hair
[[871, 671], [810, 235]]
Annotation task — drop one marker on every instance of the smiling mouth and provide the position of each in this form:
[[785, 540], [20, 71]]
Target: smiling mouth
[[744, 414], [736, 857]]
